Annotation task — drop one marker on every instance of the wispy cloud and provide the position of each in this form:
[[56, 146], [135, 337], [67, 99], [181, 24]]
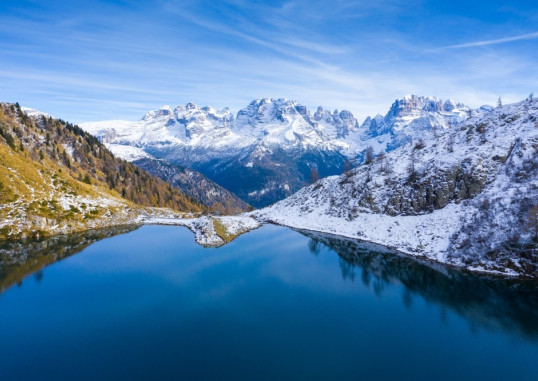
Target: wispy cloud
[[530, 36], [79, 63]]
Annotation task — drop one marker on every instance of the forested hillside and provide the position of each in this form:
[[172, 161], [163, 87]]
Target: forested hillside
[[56, 177]]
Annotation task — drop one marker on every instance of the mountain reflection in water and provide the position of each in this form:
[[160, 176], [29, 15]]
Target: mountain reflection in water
[[492, 303], [273, 304]]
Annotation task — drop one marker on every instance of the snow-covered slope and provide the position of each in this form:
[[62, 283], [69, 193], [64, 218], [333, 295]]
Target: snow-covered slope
[[465, 195], [274, 143]]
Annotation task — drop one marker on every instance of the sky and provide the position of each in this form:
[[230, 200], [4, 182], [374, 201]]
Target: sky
[[94, 60]]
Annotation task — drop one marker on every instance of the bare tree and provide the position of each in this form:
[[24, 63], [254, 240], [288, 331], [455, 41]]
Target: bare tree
[[381, 156], [383, 165], [347, 165], [411, 168], [450, 143], [499, 102], [532, 221], [314, 174], [369, 155]]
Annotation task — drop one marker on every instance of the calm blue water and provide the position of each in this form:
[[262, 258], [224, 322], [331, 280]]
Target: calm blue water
[[273, 304]]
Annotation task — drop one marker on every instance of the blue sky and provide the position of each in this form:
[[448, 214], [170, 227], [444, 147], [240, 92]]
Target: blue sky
[[93, 60]]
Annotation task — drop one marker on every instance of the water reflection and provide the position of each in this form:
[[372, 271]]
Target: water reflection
[[484, 301], [22, 258], [503, 305]]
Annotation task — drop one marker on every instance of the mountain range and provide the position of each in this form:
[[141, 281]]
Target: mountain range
[[273, 147]]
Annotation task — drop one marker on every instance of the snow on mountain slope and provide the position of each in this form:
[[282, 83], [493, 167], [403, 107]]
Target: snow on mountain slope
[[466, 195], [411, 117], [33, 112], [128, 153], [267, 122], [274, 143], [278, 122]]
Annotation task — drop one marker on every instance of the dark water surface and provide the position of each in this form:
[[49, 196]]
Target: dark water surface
[[273, 304]]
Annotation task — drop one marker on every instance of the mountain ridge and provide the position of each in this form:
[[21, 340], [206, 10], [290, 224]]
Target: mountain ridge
[[273, 133]]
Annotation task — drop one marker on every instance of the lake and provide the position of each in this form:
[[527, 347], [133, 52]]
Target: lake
[[273, 304]]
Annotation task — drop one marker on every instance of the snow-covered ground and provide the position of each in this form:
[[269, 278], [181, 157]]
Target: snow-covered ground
[[204, 229], [415, 235], [33, 112]]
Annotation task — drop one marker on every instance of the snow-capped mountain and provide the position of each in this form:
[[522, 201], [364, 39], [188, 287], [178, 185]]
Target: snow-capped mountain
[[267, 151], [268, 122], [465, 194], [411, 117]]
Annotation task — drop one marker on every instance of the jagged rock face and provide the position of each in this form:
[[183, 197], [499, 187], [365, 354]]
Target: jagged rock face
[[410, 117], [344, 121], [266, 110], [414, 103], [155, 114], [373, 126], [420, 191]]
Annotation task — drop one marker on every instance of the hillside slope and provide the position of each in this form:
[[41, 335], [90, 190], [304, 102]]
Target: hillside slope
[[56, 178], [195, 185], [466, 196]]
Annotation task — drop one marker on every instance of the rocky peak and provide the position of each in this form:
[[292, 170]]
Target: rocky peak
[[319, 114], [414, 103], [450, 105], [269, 109], [159, 113], [412, 116], [191, 106]]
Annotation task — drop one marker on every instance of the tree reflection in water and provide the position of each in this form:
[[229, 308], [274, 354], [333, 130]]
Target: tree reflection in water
[[22, 258], [488, 302]]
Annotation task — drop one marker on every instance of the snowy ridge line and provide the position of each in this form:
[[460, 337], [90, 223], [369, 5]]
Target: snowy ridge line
[[278, 122]]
